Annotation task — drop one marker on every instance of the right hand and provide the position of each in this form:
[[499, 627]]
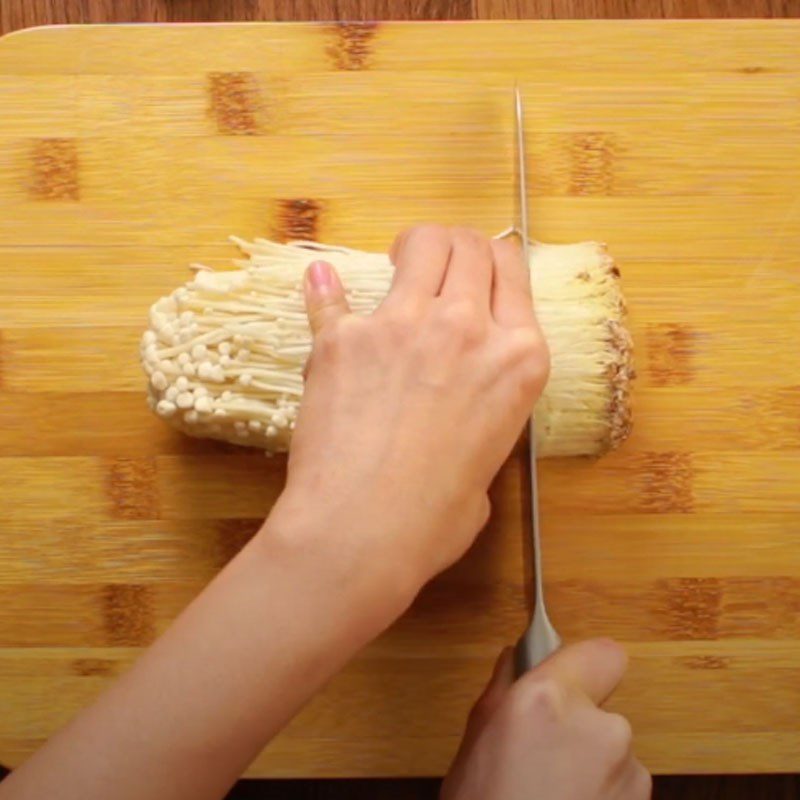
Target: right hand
[[545, 737]]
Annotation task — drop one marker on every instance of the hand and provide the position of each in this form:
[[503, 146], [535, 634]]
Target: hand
[[545, 737], [409, 412]]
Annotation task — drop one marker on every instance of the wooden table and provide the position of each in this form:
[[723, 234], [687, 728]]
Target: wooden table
[[27, 13], [699, 590]]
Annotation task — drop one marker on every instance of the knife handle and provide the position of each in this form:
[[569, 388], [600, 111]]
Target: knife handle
[[538, 642]]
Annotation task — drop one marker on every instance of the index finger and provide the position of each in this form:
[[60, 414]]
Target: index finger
[[420, 256], [594, 667]]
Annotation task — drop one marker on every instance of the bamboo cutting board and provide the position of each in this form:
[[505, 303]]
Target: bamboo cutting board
[[128, 152]]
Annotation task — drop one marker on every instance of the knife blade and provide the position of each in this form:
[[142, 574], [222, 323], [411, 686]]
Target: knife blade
[[541, 638]]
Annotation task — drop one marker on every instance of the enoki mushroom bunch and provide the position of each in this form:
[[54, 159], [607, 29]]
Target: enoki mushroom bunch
[[225, 353]]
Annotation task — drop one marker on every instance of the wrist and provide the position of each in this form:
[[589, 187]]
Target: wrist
[[344, 565]]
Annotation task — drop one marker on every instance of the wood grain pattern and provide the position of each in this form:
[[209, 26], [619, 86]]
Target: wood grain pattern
[[16, 14], [684, 788], [681, 545]]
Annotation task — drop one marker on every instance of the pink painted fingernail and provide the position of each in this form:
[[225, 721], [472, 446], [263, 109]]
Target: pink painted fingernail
[[320, 275]]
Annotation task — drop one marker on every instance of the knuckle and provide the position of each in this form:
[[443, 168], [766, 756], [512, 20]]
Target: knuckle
[[618, 733], [478, 510], [349, 328], [543, 700], [339, 337], [529, 351], [535, 373], [399, 320], [461, 321], [484, 510], [527, 343], [325, 345], [395, 330]]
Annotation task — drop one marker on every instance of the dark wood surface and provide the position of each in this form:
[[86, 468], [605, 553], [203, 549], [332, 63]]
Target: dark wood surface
[[25, 13], [16, 14]]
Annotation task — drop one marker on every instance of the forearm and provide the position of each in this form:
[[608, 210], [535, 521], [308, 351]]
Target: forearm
[[239, 662]]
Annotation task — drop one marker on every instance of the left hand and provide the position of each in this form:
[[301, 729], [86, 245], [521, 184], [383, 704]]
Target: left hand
[[410, 411]]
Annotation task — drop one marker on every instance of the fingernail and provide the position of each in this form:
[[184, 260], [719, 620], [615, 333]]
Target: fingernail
[[320, 275]]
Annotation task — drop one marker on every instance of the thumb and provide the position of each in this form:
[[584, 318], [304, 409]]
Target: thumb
[[324, 294], [594, 667]]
